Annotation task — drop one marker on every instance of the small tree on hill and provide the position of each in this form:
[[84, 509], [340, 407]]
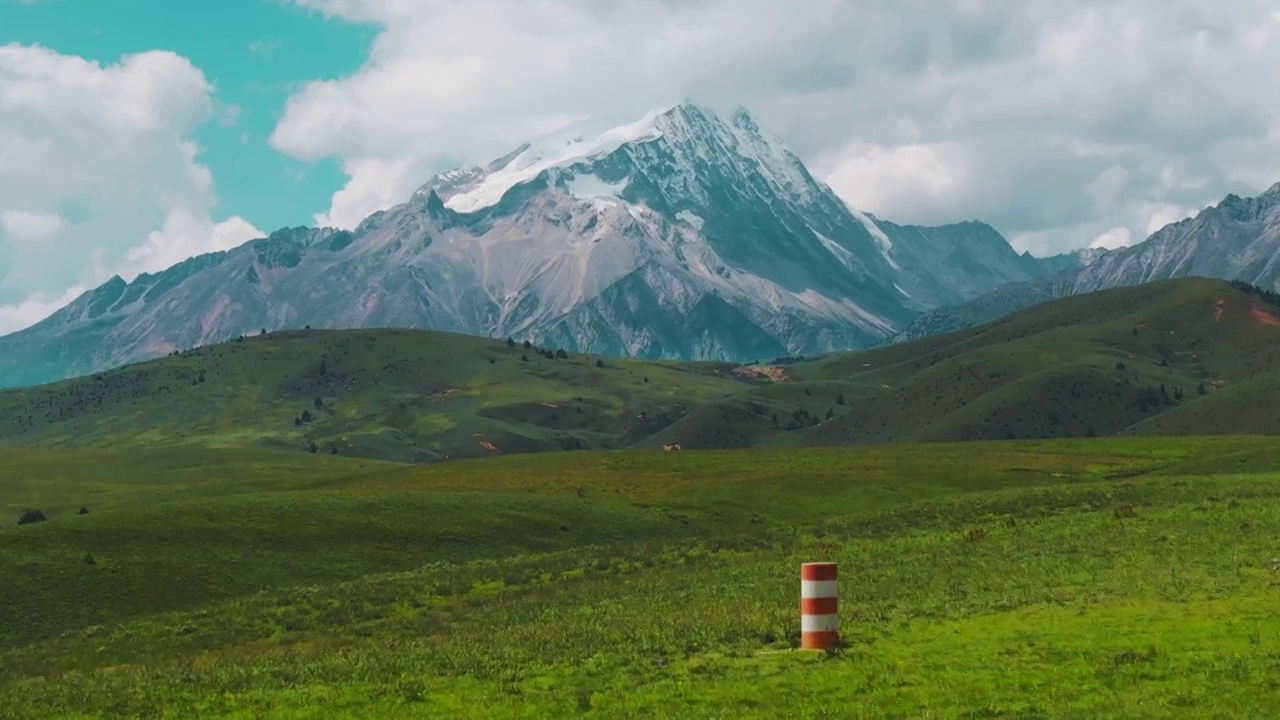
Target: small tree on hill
[[599, 363], [527, 344], [306, 416], [319, 403], [511, 343], [524, 358], [1201, 389], [562, 354], [840, 399]]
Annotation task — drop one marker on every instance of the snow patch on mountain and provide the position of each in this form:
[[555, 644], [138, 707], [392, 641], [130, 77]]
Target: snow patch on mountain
[[553, 151], [687, 217], [588, 187], [844, 256], [876, 233], [838, 309]]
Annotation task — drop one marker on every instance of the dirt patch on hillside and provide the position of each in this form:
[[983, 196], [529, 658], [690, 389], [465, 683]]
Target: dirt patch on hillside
[[754, 372], [1222, 307], [1264, 317]]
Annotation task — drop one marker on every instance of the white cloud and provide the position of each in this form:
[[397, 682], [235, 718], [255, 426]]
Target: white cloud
[[23, 225], [184, 235], [888, 180], [1114, 238], [928, 111], [97, 174], [35, 308], [230, 116], [1160, 214], [264, 48]]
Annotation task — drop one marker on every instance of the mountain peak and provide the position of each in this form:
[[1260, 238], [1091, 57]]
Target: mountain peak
[[687, 123], [1251, 208]]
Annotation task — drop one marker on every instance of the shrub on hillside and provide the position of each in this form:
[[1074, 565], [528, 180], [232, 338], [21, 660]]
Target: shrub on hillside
[[31, 515]]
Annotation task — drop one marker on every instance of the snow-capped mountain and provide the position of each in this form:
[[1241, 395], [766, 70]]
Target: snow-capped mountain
[[683, 235], [1237, 239]]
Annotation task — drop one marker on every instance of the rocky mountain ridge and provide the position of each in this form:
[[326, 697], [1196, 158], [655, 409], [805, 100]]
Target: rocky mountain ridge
[[683, 235], [1237, 239]]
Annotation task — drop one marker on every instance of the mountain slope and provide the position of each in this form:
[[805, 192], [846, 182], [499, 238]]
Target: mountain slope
[[1237, 239], [685, 235], [1188, 356]]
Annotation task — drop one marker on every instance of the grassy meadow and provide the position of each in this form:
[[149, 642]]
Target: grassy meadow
[[1083, 578]]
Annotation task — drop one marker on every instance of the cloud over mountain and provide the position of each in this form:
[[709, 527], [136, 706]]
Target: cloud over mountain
[[1058, 123], [98, 174]]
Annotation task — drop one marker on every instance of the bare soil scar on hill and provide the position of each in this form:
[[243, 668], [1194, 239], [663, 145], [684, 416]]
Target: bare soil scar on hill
[[751, 372], [1264, 317]]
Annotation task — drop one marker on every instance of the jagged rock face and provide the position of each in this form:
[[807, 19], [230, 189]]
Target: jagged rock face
[[1238, 239], [684, 235]]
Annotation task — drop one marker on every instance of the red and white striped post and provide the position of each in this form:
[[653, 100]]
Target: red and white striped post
[[819, 622]]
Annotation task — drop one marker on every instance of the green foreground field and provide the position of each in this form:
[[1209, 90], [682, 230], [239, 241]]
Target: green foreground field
[[1077, 578]]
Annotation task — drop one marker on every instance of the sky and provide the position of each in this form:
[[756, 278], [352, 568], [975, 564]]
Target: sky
[[136, 133]]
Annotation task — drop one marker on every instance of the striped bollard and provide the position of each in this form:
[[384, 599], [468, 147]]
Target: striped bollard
[[819, 623]]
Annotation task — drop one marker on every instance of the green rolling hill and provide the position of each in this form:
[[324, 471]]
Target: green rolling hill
[[1187, 356]]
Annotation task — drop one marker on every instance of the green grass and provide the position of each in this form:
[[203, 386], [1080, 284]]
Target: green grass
[[1130, 361], [1122, 577]]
